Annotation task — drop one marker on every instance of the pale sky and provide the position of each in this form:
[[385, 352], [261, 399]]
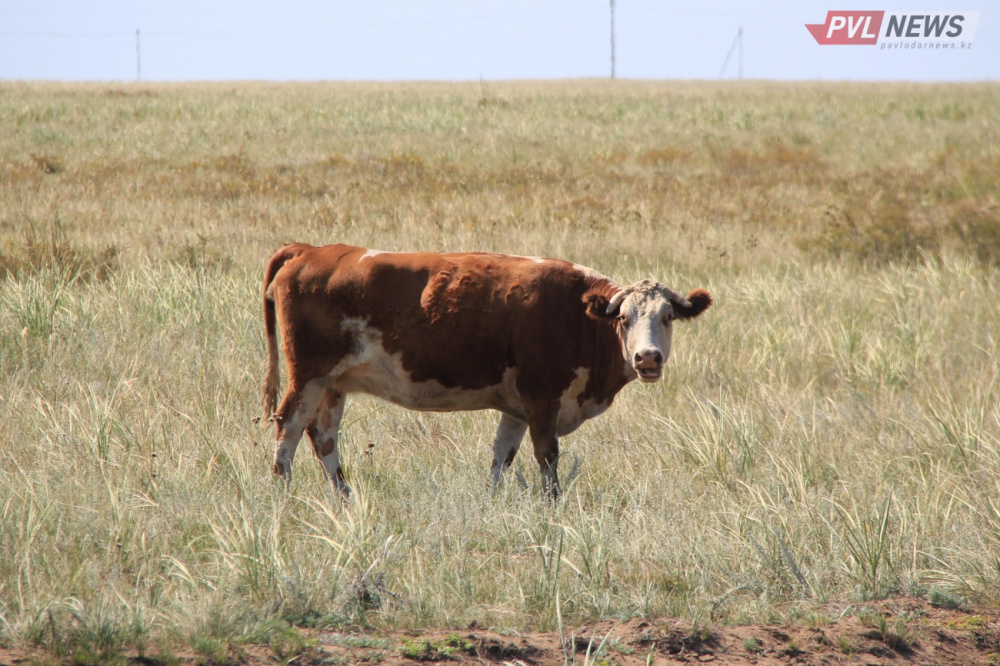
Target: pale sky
[[181, 40]]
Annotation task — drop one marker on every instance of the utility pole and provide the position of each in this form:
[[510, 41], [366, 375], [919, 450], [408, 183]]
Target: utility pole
[[740, 35], [612, 39], [138, 60], [737, 44]]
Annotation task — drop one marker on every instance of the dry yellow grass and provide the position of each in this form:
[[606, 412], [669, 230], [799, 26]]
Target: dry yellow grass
[[829, 430]]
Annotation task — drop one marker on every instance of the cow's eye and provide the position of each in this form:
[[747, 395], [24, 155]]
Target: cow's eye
[[624, 321], [667, 319]]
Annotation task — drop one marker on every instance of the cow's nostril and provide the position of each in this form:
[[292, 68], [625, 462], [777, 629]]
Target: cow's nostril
[[647, 356]]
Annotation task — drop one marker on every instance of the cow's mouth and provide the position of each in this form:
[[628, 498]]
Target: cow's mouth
[[649, 374]]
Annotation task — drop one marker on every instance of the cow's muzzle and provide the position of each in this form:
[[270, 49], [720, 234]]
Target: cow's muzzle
[[648, 363]]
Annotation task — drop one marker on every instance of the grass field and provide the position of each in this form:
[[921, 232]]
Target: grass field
[[829, 430]]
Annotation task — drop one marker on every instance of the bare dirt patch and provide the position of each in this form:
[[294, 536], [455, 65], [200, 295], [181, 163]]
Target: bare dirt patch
[[897, 631]]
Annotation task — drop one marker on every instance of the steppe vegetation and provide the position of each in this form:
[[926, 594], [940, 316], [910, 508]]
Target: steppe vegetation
[[828, 432]]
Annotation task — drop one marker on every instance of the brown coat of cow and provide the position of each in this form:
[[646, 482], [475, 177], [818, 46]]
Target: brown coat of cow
[[545, 342]]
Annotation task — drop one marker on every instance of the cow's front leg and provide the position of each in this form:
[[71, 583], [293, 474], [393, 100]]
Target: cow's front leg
[[324, 432], [510, 432], [297, 409], [542, 427]]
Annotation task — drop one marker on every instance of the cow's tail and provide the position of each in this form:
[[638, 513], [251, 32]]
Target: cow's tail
[[272, 379]]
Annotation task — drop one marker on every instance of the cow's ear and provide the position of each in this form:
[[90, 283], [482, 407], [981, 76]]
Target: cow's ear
[[599, 307], [699, 299]]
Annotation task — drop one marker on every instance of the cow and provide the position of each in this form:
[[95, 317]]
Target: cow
[[545, 342]]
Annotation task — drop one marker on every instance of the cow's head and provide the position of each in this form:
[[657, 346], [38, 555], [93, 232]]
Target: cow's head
[[644, 314]]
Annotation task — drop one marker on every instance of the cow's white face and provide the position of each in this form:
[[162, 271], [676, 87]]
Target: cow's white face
[[645, 314]]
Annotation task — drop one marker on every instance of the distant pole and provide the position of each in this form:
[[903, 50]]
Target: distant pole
[[741, 52], [612, 38], [138, 59], [737, 44]]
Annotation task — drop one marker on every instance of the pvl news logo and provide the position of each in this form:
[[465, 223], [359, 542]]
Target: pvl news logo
[[897, 30]]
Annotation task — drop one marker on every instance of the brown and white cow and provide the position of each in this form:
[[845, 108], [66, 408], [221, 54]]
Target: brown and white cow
[[545, 342]]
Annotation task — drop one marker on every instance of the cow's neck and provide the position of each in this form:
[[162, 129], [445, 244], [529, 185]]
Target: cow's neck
[[608, 370]]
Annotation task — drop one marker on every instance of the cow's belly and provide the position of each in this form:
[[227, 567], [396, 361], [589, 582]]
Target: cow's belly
[[384, 377], [374, 371]]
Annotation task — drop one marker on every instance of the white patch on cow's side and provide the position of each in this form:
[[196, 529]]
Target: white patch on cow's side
[[569, 405], [510, 432], [371, 253], [572, 413], [371, 369]]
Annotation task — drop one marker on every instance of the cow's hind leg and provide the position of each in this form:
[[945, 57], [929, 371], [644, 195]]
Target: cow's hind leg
[[510, 432], [296, 411], [324, 431]]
